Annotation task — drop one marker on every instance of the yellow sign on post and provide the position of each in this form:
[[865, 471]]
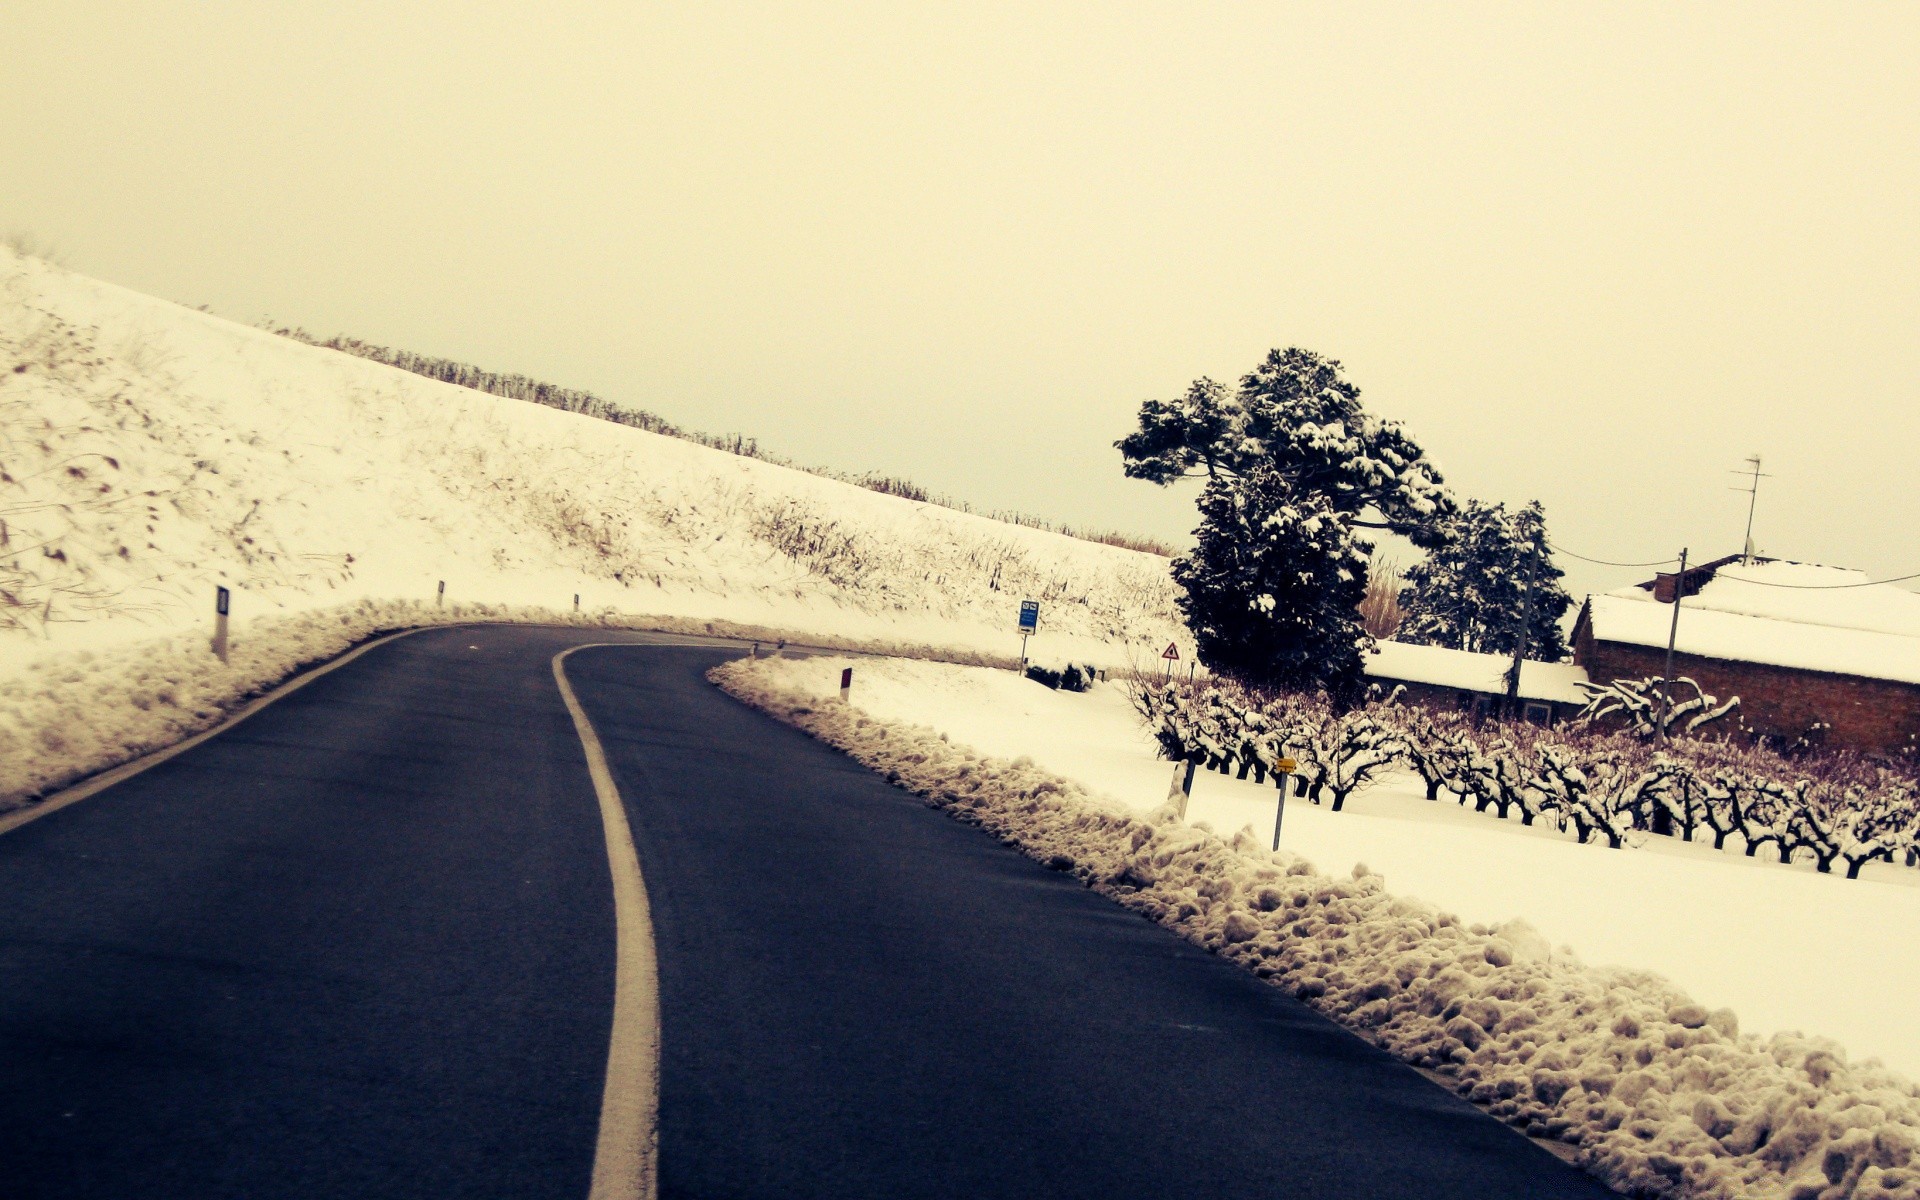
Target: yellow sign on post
[[1283, 768]]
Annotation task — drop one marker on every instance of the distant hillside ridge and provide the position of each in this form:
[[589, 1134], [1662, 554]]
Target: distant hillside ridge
[[577, 400]]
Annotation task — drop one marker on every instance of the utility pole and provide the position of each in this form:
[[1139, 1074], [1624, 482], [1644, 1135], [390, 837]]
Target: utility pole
[[1526, 630], [1673, 632], [1753, 497]]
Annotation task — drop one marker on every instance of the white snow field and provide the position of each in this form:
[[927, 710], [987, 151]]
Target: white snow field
[[149, 452], [1642, 1064]]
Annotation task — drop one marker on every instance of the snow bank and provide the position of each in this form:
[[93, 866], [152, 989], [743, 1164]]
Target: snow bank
[[68, 716], [1660, 1096]]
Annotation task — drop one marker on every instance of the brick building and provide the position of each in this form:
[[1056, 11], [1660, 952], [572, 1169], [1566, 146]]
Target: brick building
[[1811, 651], [1476, 683]]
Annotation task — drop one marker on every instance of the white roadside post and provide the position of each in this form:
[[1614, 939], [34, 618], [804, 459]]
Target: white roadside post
[[222, 601], [1283, 773], [1181, 789], [846, 685], [440, 597], [576, 602], [1029, 623]]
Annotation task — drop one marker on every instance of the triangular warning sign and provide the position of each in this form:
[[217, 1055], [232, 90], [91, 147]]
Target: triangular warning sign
[[1172, 651]]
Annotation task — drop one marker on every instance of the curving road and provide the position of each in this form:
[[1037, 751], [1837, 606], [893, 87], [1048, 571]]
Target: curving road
[[363, 945]]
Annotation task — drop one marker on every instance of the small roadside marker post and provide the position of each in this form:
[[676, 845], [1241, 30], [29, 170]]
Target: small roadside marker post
[[222, 601], [440, 597], [1283, 772], [846, 685], [576, 602], [1182, 786], [1029, 623], [1172, 655]]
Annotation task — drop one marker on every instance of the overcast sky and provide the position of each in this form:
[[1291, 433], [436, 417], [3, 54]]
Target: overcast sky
[[1594, 255]]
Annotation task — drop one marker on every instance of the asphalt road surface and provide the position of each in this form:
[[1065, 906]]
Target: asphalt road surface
[[362, 945]]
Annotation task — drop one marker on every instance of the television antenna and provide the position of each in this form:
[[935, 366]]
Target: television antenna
[[1755, 475]]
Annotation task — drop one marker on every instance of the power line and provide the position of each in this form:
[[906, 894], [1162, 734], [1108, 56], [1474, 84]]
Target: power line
[[1607, 563], [1820, 587]]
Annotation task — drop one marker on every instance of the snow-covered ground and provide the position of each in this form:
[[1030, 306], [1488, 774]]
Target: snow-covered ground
[[149, 452], [1786, 948]]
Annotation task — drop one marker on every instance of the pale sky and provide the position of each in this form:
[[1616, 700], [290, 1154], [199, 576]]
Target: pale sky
[[1593, 254]]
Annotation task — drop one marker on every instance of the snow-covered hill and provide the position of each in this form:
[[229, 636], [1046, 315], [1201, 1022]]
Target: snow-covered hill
[[149, 452]]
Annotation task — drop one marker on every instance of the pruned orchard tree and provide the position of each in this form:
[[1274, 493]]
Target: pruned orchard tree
[[1295, 467], [1471, 590], [1637, 703]]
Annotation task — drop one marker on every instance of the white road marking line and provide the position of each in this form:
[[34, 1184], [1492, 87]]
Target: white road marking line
[[626, 1156], [106, 779]]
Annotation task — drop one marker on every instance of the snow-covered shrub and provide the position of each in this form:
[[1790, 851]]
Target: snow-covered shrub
[[1500, 772], [1605, 792], [1345, 753], [1436, 745]]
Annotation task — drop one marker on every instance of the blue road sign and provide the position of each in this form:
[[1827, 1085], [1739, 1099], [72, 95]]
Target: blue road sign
[[1029, 615]]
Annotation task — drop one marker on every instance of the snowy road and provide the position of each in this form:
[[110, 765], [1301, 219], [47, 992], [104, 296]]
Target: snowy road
[[362, 945]]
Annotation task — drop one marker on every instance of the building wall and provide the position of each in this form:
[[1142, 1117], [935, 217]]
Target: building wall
[[1439, 698], [1865, 714]]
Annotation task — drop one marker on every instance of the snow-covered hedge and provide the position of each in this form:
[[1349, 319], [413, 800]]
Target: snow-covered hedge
[[71, 715], [1600, 786], [1661, 1097]]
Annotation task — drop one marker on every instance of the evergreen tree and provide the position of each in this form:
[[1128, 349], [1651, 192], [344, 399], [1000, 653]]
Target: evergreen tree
[[1470, 591], [1294, 466], [1273, 586]]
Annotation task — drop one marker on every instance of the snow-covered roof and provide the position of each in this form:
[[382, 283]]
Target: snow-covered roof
[[1783, 614], [1403, 662]]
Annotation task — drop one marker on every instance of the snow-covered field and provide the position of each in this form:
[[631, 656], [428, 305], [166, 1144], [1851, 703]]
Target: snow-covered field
[[149, 452], [1696, 1084]]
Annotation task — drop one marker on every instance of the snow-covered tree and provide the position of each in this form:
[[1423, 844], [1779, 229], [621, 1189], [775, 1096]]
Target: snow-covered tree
[[1470, 591], [1648, 710], [1294, 466], [1606, 793], [1272, 587]]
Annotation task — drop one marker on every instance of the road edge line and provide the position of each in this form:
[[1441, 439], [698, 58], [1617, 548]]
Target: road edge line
[[626, 1152], [95, 784]]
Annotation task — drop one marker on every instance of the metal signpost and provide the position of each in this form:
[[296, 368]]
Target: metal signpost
[[1029, 623], [1284, 769], [222, 601]]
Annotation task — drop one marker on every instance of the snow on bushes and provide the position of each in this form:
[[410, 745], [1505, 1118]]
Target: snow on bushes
[[71, 715], [1661, 1097], [1601, 787]]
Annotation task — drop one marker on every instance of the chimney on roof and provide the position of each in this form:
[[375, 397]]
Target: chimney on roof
[[1662, 585]]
